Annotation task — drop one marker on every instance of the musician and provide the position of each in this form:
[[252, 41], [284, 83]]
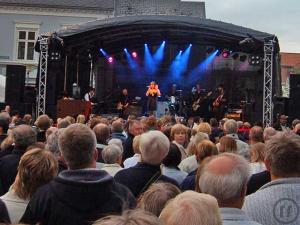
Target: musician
[[91, 97], [200, 104], [219, 105], [152, 93], [123, 103]]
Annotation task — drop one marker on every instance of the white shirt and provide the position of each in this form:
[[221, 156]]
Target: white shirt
[[132, 161]]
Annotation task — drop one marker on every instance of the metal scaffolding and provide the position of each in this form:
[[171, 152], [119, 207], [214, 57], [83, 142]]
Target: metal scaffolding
[[41, 101], [268, 83]]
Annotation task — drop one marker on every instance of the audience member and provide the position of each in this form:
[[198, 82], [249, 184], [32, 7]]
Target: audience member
[[282, 160], [23, 136], [112, 156], [204, 149], [225, 177], [50, 130], [216, 132], [63, 123], [42, 123], [190, 163], [256, 135], [179, 137], [156, 197], [281, 125], [170, 164], [52, 146], [4, 125], [102, 135], [117, 131], [80, 119], [81, 194], [191, 208], [268, 133], [230, 129], [36, 168], [130, 217], [154, 147], [227, 144], [136, 158], [4, 218], [134, 128], [257, 157]]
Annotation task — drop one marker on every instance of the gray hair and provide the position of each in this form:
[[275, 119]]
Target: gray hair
[[230, 126], [195, 140], [101, 131], [23, 136], [111, 154], [77, 144], [283, 154], [116, 141], [269, 132], [63, 123], [117, 126], [52, 142], [225, 186], [154, 147]]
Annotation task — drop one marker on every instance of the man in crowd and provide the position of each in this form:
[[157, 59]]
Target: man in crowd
[[281, 125], [154, 147], [256, 135], [277, 202], [135, 128], [117, 131], [231, 129], [42, 123], [81, 194], [23, 136], [102, 134], [225, 177]]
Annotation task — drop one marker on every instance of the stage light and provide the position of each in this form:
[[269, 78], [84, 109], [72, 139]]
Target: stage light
[[110, 59], [134, 54], [190, 45], [235, 55], [209, 50], [103, 52], [254, 60], [218, 52], [225, 54], [243, 58]]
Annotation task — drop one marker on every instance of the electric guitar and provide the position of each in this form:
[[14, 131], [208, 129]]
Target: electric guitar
[[197, 104]]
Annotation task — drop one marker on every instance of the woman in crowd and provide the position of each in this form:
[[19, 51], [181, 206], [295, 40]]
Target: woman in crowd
[[36, 168], [257, 157], [227, 144], [179, 137]]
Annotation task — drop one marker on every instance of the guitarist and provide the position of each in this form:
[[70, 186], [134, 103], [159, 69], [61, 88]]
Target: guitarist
[[200, 103], [219, 105], [123, 103]]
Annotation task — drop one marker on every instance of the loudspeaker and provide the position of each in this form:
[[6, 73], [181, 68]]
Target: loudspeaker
[[281, 106], [294, 103], [15, 83]]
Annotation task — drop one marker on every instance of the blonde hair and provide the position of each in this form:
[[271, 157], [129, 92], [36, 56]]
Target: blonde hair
[[136, 144], [192, 208], [195, 140], [257, 152], [204, 128], [227, 144], [130, 217], [178, 128], [80, 119], [205, 149], [156, 197], [36, 167]]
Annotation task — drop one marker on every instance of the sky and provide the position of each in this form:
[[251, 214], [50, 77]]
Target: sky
[[279, 17]]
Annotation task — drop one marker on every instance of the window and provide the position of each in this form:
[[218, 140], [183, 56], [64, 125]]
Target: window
[[25, 44]]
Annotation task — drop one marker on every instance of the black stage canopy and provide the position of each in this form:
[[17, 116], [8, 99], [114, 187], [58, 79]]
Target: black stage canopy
[[114, 33]]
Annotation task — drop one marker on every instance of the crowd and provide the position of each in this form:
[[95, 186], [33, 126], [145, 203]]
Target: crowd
[[147, 171]]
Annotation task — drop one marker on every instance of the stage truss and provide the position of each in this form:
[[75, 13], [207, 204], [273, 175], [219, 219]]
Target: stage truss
[[268, 83], [41, 101]]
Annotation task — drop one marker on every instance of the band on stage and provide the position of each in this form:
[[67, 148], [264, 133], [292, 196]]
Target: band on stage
[[198, 102]]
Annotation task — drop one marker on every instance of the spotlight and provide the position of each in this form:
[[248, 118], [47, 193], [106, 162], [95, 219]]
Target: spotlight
[[110, 59], [190, 45], [235, 55], [243, 58], [218, 52], [209, 50], [54, 56], [254, 60], [225, 54], [134, 54]]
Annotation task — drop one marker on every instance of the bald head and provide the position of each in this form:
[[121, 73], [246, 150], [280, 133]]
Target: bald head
[[256, 134], [102, 133], [24, 136], [225, 177]]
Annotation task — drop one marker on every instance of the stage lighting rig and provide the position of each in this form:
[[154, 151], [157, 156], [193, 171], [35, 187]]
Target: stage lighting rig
[[255, 60]]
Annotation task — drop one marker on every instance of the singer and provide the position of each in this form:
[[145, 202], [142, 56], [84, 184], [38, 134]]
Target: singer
[[152, 93]]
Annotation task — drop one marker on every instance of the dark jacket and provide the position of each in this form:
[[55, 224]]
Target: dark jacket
[[41, 136], [9, 169], [137, 178], [4, 218], [189, 183], [257, 181], [128, 148], [77, 197], [118, 136]]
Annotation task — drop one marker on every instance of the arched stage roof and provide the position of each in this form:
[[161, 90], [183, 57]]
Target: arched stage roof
[[131, 31]]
